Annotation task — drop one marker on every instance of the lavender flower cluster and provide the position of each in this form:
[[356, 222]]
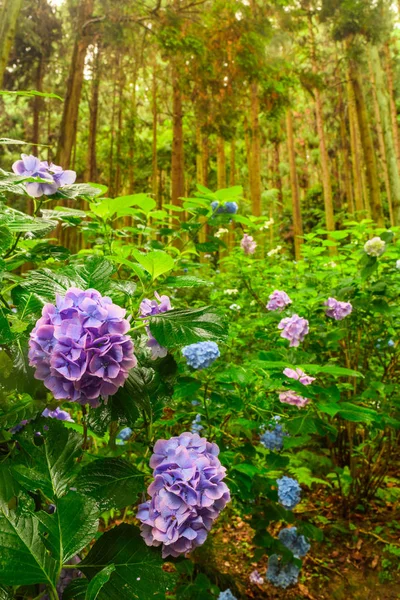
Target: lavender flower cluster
[[31, 166], [149, 308], [272, 439], [187, 494], [278, 300], [201, 355], [229, 208], [248, 244], [288, 492], [337, 310], [294, 329], [79, 348], [285, 574]]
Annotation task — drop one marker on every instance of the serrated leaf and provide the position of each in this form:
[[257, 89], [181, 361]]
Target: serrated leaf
[[17, 409], [181, 327], [95, 273], [98, 582], [6, 238], [73, 526], [138, 568], [47, 284], [156, 262], [112, 482], [48, 467], [357, 414]]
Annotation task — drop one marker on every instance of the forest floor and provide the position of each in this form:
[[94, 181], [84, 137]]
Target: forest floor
[[353, 561]]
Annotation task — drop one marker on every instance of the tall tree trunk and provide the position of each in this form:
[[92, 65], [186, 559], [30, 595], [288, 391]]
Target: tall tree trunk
[[255, 151], [345, 154], [221, 163], [277, 180], [383, 101], [132, 130], [177, 162], [8, 24], [232, 164], [326, 177], [111, 150], [367, 145], [91, 171], [69, 119], [393, 109], [355, 153], [154, 168], [297, 223], [117, 186], [37, 105]]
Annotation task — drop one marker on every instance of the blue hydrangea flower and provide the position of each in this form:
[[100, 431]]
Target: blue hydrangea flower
[[231, 208], [124, 434], [295, 542], [288, 492], [226, 595], [196, 425], [216, 207], [280, 574], [272, 439], [201, 355]]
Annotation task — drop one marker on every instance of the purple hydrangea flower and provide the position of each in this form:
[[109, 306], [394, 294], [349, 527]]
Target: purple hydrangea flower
[[31, 166], [201, 355], [248, 244], [294, 329], [278, 300], [299, 375], [296, 543], [288, 492], [336, 309], [291, 397], [282, 574], [79, 348], [256, 578], [187, 494], [375, 246], [149, 308], [57, 413]]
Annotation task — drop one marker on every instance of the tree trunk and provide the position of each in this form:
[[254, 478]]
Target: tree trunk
[[255, 151], [117, 186], [132, 129], [232, 164], [297, 224], [367, 145], [37, 105], [69, 119], [154, 168], [393, 109], [382, 98], [177, 162], [8, 24], [91, 170], [111, 151], [355, 154], [277, 181], [221, 163], [326, 177], [345, 154]]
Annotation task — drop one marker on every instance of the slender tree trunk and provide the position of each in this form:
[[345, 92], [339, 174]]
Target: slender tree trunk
[[37, 105], [199, 155], [345, 154], [277, 180], [111, 151], [91, 171], [255, 151], [367, 145], [177, 162], [393, 109], [154, 168], [119, 135], [69, 119], [221, 163], [131, 168], [355, 153], [232, 164], [297, 223], [8, 24], [382, 98]]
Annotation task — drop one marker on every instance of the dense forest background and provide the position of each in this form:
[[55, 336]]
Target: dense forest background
[[296, 100]]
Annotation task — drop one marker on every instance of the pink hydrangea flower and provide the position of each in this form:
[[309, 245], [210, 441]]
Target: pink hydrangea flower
[[248, 244], [336, 309], [299, 375], [291, 397], [294, 328], [278, 300]]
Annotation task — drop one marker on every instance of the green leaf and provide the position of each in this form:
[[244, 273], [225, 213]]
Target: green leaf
[[177, 328], [76, 590], [6, 593], [99, 582], [6, 238], [30, 93], [138, 569], [112, 482], [357, 414], [73, 526], [24, 557], [230, 193], [184, 281], [47, 284], [156, 262], [16, 409], [48, 467], [95, 273]]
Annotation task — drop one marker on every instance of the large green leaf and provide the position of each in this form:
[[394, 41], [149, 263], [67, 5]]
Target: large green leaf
[[95, 273], [357, 414], [72, 526], [48, 467], [156, 262], [47, 284], [112, 482], [98, 582], [186, 326], [138, 569], [24, 557], [76, 590], [17, 408], [6, 238]]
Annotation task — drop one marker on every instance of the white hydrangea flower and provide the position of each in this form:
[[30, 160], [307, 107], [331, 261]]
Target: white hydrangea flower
[[274, 251], [375, 246], [235, 307], [398, 264], [221, 231], [231, 292]]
